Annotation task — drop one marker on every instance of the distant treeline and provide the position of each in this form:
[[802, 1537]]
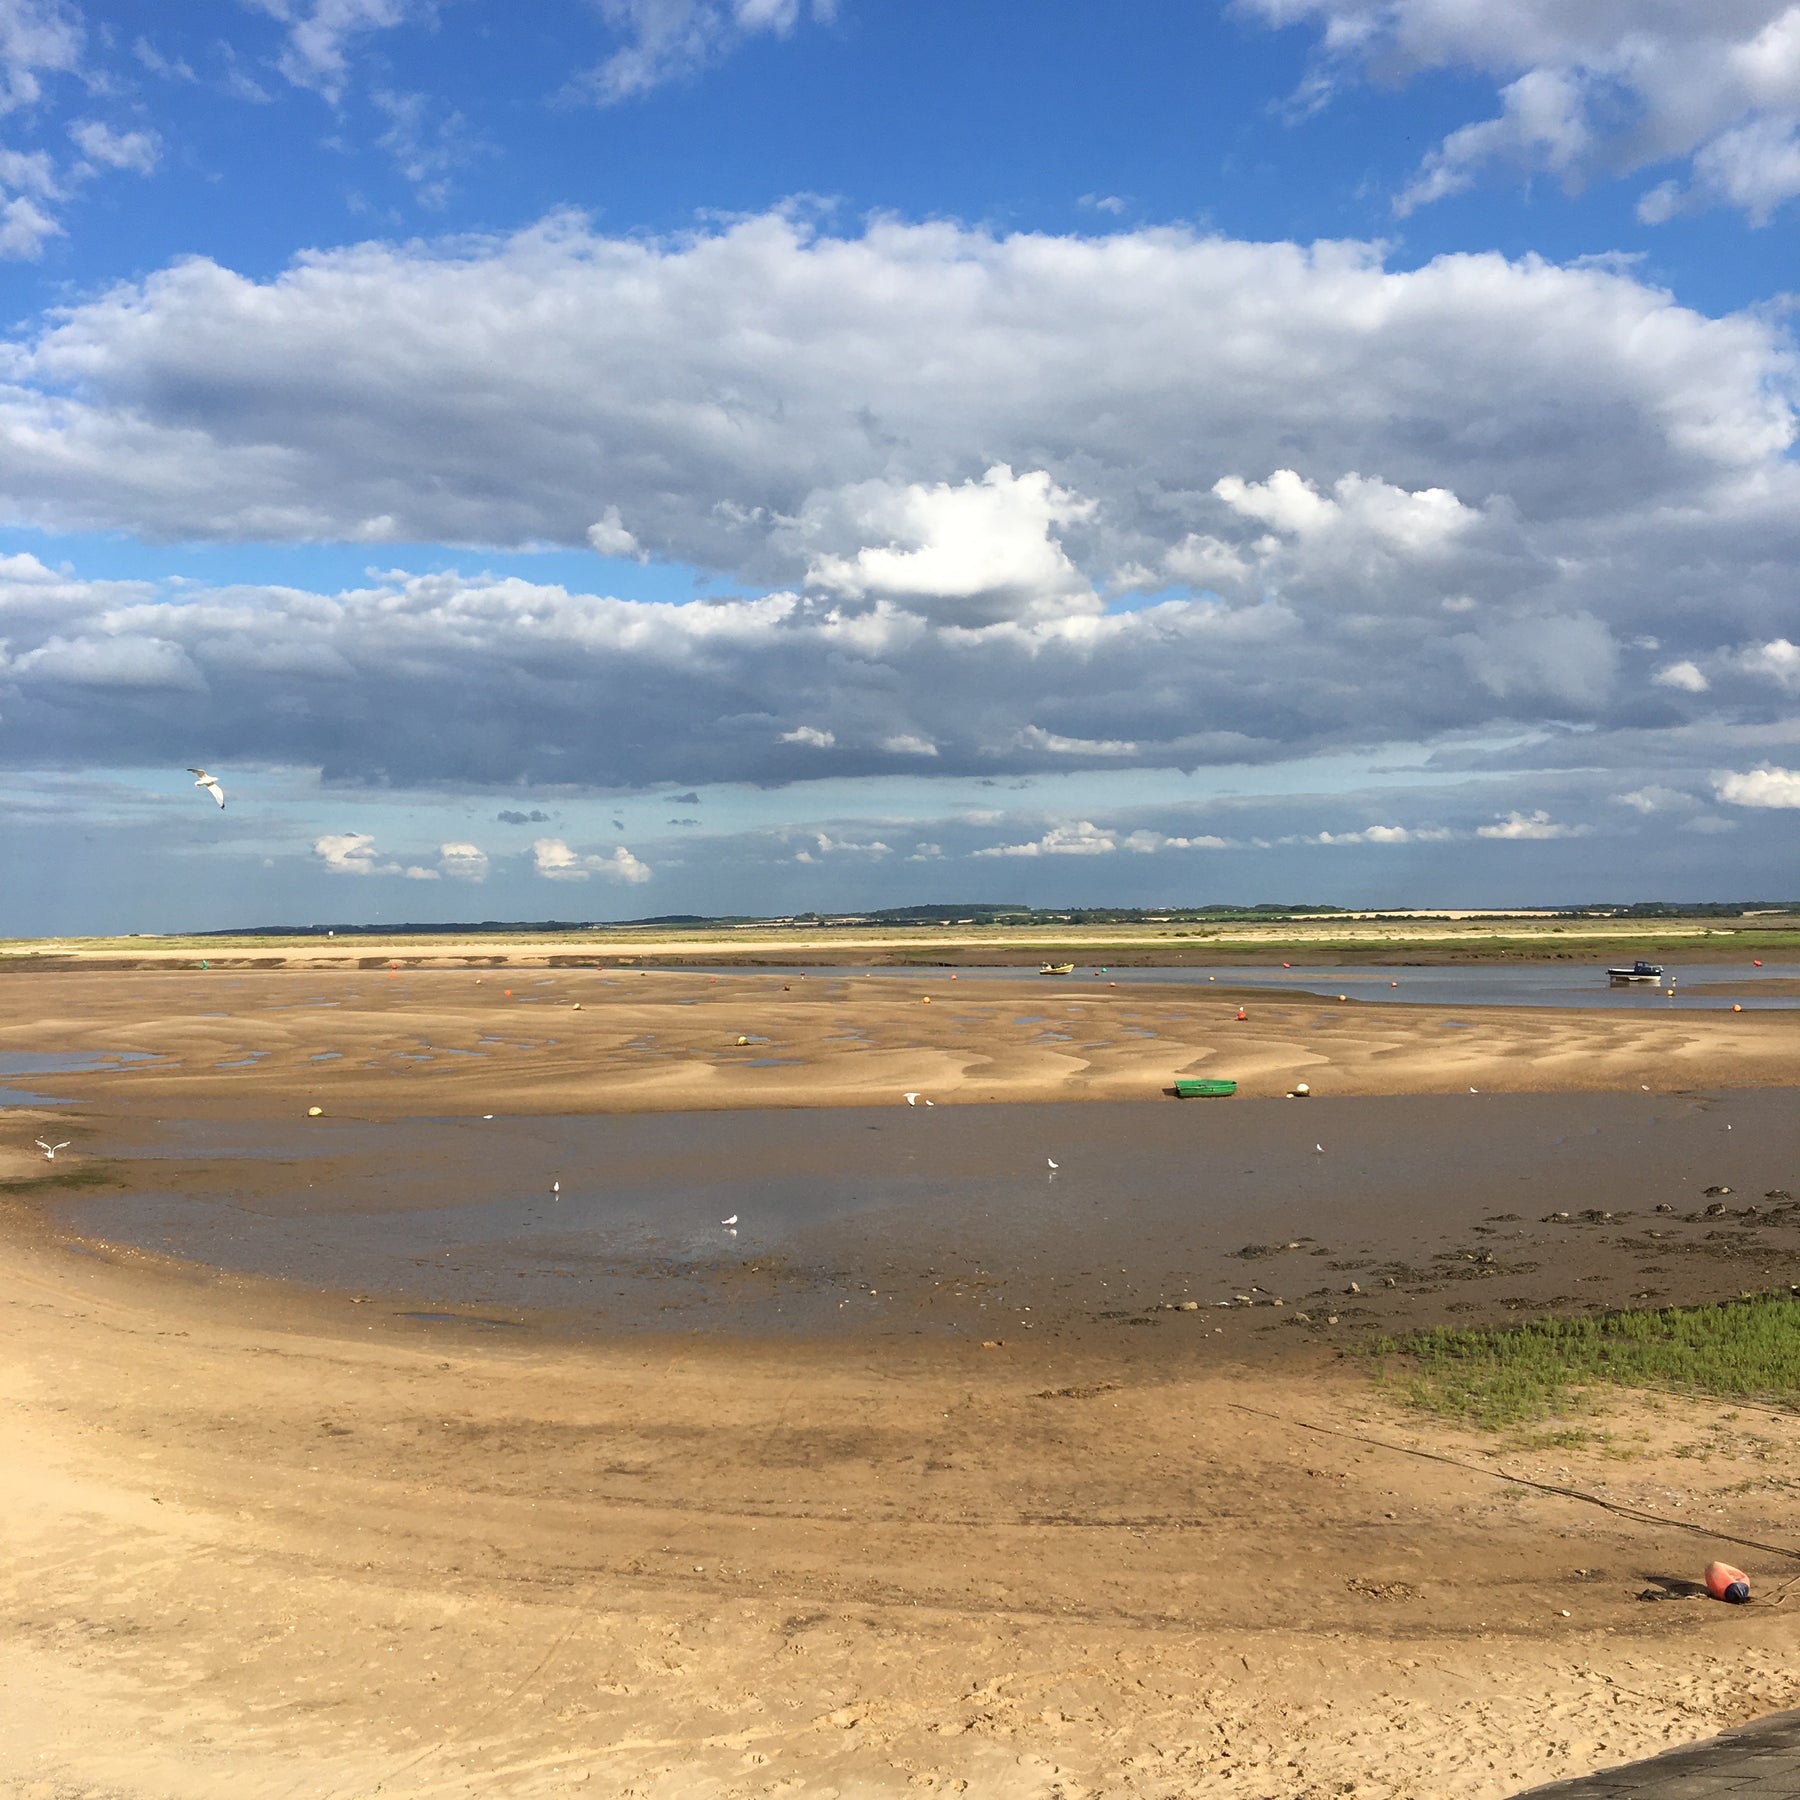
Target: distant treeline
[[987, 912]]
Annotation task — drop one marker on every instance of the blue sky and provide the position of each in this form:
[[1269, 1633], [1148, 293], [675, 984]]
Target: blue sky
[[752, 455]]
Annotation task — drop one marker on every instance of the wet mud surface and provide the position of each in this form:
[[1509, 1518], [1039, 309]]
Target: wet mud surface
[[1219, 1225]]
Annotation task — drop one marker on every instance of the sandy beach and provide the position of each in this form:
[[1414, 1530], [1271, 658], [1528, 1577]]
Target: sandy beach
[[264, 1538]]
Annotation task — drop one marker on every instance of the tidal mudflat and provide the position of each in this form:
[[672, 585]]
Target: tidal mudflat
[[353, 1519], [1370, 1213]]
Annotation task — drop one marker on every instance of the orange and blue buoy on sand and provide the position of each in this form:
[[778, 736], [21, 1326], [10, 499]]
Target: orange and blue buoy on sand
[[1724, 1582]]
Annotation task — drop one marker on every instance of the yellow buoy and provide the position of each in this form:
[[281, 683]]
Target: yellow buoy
[[315, 1112]]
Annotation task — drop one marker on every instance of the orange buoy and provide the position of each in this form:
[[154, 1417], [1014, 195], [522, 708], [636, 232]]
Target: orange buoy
[[1735, 1007], [1756, 962], [1343, 996], [926, 1001], [1724, 1582], [1242, 1014]]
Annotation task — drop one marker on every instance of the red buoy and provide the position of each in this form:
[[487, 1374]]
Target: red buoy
[[1724, 1582]]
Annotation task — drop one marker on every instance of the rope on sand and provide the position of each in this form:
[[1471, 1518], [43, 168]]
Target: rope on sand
[[1543, 1487]]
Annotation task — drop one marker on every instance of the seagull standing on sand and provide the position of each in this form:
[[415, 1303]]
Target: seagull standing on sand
[[556, 1189], [210, 784], [1054, 1165], [50, 1150], [729, 1222], [911, 1099]]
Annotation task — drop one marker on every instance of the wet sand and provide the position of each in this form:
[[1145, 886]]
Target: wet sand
[[264, 1540], [219, 1044]]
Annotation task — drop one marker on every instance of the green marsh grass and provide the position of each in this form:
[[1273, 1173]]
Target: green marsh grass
[[1744, 1349], [83, 1175]]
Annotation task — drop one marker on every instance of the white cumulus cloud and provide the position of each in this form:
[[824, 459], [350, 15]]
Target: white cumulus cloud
[[609, 536], [1687, 676], [352, 853], [1037, 738], [1403, 834], [1149, 843], [463, 862], [555, 861], [1767, 786], [99, 143], [1588, 89], [1083, 838], [1535, 827], [1779, 659], [972, 553]]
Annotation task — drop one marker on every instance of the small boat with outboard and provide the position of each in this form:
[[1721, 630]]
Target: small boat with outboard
[[1057, 969], [1640, 971]]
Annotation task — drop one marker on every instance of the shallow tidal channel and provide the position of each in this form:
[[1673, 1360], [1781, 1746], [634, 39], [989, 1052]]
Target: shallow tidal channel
[[1206, 1219]]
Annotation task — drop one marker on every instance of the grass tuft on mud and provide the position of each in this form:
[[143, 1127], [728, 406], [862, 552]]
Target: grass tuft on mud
[[1743, 1349]]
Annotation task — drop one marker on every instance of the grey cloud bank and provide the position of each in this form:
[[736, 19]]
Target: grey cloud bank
[[998, 506]]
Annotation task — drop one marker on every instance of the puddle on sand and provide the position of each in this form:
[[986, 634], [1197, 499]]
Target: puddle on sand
[[61, 1062]]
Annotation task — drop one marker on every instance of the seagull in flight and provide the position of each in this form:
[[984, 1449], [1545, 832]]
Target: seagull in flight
[[50, 1150], [210, 783]]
